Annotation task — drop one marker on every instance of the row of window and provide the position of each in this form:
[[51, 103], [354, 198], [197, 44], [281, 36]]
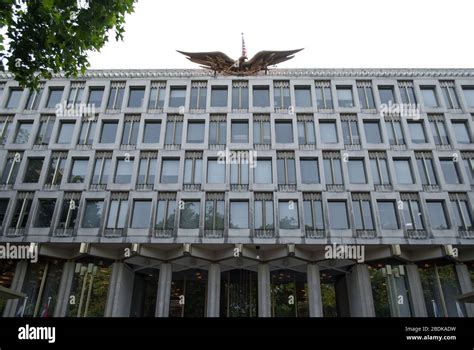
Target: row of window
[[392, 214], [239, 131], [122, 169], [303, 95]]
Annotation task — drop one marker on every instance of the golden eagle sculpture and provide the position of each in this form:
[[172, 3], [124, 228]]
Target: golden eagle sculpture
[[219, 62]]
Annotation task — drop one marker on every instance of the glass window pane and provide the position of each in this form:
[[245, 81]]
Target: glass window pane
[[151, 132], [78, 170], [303, 96], [437, 215], [92, 213], [95, 96], [239, 212], [388, 216], [417, 132], [219, 96], [261, 96], [288, 211], [24, 132], [45, 212], [169, 171], [284, 132], [403, 171], [215, 172], [356, 171], [429, 96], [328, 132], [240, 132], [372, 132], [263, 172], [135, 99], [450, 172], [109, 132], [189, 215], [196, 132], [33, 170], [54, 98], [338, 219], [386, 94], [309, 171], [344, 96], [65, 132], [141, 214]]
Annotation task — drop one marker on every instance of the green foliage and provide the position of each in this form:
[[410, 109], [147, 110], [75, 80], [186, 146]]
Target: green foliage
[[44, 37]]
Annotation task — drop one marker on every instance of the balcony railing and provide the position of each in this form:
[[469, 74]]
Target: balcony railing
[[315, 233], [239, 187], [264, 233], [192, 187], [431, 188], [163, 233], [114, 232], [63, 232], [287, 187], [15, 232], [172, 147], [213, 233], [469, 234], [335, 187], [417, 234], [383, 187], [366, 233]]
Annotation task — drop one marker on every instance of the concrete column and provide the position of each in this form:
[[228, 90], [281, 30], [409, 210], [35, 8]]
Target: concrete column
[[466, 286], [314, 291], [361, 302], [164, 291], [264, 293], [120, 293], [213, 290], [17, 285], [64, 291], [416, 291]]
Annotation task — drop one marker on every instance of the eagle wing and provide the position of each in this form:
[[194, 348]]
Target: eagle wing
[[263, 59], [215, 60]]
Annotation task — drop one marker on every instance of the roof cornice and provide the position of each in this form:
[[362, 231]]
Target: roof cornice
[[289, 72]]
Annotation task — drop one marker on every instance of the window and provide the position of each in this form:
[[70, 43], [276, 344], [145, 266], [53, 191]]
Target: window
[[437, 213], [407, 92], [165, 213], [45, 129], [286, 171], [281, 95], [217, 130], [34, 98], [362, 212], [177, 96], [101, 169], [469, 166], [45, 212], [147, 170], [23, 132], [261, 96], [151, 131], [198, 95], [438, 129], [109, 132], [219, 96], [303, 96], [468, 95], [14, 98], [117, 90], [332, 169], [426, 170], [92, 213], [123, 171], [263, 214], [429, 96], [449, 94], [288, 212], [22, 210], [338, 219], [417, 132], [239, 170], [378, 165], [356, 171], [174, 129], [450, 171], [33, 170], [239, 214], [214, 218], [372, 132], [215, 171], [350, 131], [3, 209], [388, 215], [56, 169], [95, 96], [54, 97], [313, 212], [239, 131], [189, 215], [306, 134], [403, 171], [10, 171], [328, 132], [117, 211], [87, 134], [78, 170], [66, 130], [193, 169], [141, 214], [169, 171], [261, 130], [69, 209], [462, 214], [344, 96], [411, 212], [284, 131], [366, 96], [5, 126], [387, 96], [262, 172], [323, 95], [130, 130], [309, 170], [75, 94], [394, 132], [196, 131], [461, 132], [240, 95], [136, 97], [157, 95]]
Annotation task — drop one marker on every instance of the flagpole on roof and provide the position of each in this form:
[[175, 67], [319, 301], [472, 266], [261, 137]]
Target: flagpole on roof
[[244, 50]]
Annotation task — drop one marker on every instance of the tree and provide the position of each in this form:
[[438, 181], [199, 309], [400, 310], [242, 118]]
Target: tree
[[44, 37]]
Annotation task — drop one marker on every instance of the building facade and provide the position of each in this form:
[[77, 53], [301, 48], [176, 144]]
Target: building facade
[[297, 193]]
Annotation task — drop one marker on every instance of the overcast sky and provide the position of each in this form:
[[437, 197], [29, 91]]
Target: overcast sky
[[334, 33]]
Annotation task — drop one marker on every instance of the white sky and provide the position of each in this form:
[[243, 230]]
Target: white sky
[[334, 33]]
